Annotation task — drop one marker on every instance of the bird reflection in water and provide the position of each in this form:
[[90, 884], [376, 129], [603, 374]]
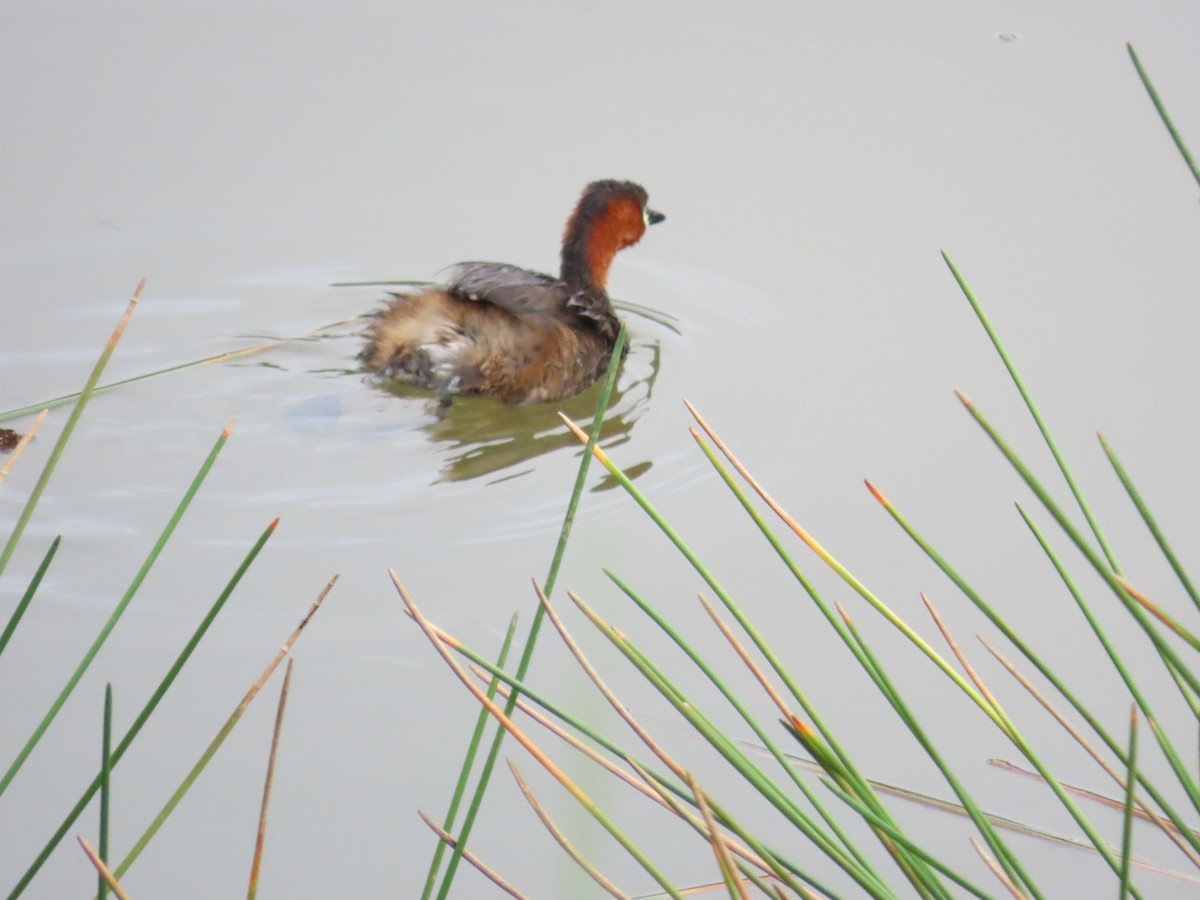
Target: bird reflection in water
[[482, 437]]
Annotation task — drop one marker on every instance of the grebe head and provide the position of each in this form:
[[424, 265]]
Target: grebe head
[[610, 216]]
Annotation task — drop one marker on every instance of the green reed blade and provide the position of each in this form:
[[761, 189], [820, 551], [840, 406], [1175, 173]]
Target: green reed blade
[[1162, 113], [222, 733], [1109, 575], [468, 764], [1007, 726], [903, 839], [147, 710], [105, 770], [1021, 646], [1007, 859], [530, 693], [1127, 816], [767, 651], [733, 754], [39, 486], [763, 734], [432, 634], [993, 711], [227, 356], [1122, 671], [610, 380], [15, 619], [728, 602], [1033, 411], [835, 621], [744, 766], [709, 821], [102, 636], [704, 572], [1144, 511]]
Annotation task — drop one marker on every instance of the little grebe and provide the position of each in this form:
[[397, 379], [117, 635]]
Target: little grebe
[[512, 334]]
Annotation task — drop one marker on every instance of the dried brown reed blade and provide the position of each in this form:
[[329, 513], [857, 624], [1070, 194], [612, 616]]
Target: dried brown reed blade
[[102, 868], [592, 674], [615, 770], [1000, 874], [1143, 811], [787, 519], [717, 839], [230, 722], [496, 712], [22, 443], [595, 874], [261, 837], [474, 860], [959, 655], [744, 654], [671, 802], [1151, 607]]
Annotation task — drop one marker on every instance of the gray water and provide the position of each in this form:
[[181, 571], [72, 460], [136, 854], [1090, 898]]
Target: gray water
[[812, 162]]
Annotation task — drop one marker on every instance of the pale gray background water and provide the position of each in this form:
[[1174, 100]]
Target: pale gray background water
[[811, 163]]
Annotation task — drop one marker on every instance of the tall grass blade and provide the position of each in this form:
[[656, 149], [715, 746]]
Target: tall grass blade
[[1044, 668], [15, 619], [752, 774], [935, 803], [1144, 810], [1033, 411], [1127, 815], [105, 770], [227, 356], [757, 854], [1170, 658], [1162, 113], [610, 380], [736, 889], [1002, 721], [901, 838], [506, 722], [468, 764], [39, 486], [1005, 857], [1151, 523], [102, 636], [774, 860], [659, 784], [146, 712], [222, 733]]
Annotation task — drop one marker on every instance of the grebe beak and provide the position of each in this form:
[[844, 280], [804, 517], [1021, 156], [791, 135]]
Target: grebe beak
[[652, 217]]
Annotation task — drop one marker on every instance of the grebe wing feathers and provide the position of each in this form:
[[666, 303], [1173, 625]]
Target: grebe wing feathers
[[516, 290]]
